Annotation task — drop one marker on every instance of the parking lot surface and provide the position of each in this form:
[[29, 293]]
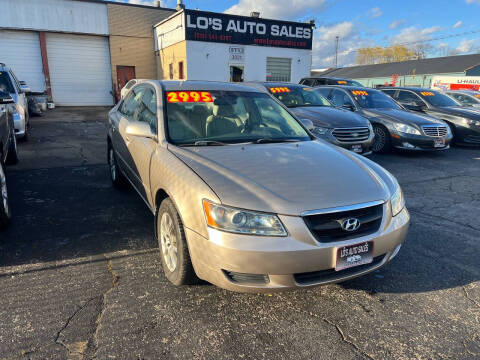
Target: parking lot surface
[[80, 276]]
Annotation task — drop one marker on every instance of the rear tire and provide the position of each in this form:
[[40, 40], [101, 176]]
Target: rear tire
[[12, 157], [5, 212], [118, 179], [381, 142], [173, 247]]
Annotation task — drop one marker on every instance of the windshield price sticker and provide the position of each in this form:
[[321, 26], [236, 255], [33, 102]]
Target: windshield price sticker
[[276, 90], [427, 93], [360, 93], [477, 96], [189, 96], [341, 82]]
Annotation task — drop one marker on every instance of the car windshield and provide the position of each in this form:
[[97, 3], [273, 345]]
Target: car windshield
[[373, 99], [296, 96], [438, 99], [199, 118], [5, 83]]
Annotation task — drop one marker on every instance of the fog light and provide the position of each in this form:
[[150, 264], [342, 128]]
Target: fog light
[[408, 145], [245, 279]]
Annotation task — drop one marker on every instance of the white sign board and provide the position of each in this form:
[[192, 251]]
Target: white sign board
[[237, 53]]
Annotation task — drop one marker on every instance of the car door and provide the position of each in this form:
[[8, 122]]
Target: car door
[[119, 122], [143, 148]]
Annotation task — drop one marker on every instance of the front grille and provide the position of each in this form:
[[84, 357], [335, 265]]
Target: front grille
[[435, 131], [330, 274], [351, 135], [328, 227], [245, 279]]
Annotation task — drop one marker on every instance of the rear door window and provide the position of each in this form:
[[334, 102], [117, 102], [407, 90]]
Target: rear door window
[[6, 84]]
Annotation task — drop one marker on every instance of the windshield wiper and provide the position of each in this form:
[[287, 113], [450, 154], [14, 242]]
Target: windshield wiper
[[271, 140], [204, 143]]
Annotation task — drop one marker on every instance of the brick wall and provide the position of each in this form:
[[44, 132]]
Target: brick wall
[[131, 38]]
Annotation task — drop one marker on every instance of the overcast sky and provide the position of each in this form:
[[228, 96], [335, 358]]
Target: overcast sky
[[365, 23]]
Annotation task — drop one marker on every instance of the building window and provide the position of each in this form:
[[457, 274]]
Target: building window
[[180, 70], [170, 69], [279, 69]]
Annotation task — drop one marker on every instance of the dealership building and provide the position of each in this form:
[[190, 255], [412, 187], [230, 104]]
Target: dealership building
[[82, 52]]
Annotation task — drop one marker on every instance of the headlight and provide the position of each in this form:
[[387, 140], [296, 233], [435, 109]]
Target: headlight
[[242, 221], [397, 201], [471, 122], [319, 130], [407, 129]]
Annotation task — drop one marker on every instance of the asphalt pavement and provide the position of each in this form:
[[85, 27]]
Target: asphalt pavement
[[80, 274]]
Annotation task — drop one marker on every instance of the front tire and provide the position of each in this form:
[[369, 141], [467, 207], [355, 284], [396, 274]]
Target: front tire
[[5, 213], [12, 157], [172, 244], [118, 179], [381, 142]]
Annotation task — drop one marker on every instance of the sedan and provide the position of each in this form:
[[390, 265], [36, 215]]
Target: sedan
[[467, 98], [247, 201], [335, 125], [394, 126], [464, 122]]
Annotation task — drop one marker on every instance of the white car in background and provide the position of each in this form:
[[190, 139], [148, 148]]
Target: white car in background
[[128, 86], [18, 90]]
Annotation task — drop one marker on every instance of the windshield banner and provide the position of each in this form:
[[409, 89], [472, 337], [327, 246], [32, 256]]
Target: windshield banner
[[233, 29]]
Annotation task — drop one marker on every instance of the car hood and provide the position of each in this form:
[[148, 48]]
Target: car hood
[[469, 113], [287, 178], [329, 117], [400, 116]]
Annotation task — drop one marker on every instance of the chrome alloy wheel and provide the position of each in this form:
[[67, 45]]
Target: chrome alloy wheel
[[4, 192], [113, 165], [168, 241], [379, 140]]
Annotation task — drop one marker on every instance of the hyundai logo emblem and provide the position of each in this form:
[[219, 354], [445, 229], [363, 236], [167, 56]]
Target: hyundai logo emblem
[[350, 224]]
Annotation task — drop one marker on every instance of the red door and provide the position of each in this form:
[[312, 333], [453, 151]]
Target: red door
[[124, 75]]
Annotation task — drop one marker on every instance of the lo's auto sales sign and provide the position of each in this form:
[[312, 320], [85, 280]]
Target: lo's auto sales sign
[[233, 29]]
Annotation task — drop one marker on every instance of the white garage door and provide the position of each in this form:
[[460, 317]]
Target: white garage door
[[20, 50], [80, 72]]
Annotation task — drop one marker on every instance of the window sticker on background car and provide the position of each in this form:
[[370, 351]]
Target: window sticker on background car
[[342, 82], [427, 93], [359, 92], [276, 90], [189, 96], [477, 96]]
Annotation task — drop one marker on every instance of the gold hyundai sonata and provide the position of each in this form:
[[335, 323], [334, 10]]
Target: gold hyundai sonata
[[244, 196]]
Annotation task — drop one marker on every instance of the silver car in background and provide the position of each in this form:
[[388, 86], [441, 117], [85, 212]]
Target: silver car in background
[[244, 196]]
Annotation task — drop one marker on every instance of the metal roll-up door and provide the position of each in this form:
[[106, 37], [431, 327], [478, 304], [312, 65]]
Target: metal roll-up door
[[279, 69], [80, 70], [20, 51]]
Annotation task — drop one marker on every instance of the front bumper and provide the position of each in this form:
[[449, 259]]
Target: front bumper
[[360, 147], [283, 260], [419, 142], [19, 124], [467, 135]]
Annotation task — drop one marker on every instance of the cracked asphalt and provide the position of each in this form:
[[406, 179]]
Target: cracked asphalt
[[80, 276]]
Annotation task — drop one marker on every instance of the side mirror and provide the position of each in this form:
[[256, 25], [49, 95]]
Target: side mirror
[[308, 124], [348, 107], [5, 98], [24, 87], [140, 129]]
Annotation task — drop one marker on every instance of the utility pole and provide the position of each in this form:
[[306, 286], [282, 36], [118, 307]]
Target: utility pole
[[336, 51]]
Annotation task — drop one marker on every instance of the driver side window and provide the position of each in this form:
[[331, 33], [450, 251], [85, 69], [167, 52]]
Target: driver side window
[[131, 101], [407, 97], [339, 98]]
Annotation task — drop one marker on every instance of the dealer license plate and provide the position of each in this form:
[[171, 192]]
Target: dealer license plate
[[357, 148], [439, 143], [354, 255]]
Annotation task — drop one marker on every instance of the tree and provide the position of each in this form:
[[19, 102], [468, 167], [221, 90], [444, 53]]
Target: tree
[[379, 55]]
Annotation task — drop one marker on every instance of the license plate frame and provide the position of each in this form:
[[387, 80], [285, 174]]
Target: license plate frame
[[439, 143], [357, 148], [350, 256]]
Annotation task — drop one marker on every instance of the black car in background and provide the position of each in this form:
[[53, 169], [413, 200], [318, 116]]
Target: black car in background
[[393, 125], [467, 98], [464, 122], [337, 126], [8, 152], [325, 80]]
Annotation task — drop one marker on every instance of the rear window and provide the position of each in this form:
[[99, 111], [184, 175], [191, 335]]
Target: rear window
[[5, 82]]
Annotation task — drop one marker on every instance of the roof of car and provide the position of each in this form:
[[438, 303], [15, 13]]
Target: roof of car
[[327, 77], [469, 92], [192, 85], [407, 88], [276, 84], [344, 87]]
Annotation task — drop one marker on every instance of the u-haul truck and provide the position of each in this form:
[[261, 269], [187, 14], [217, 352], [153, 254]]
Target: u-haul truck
[[455, 83]]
